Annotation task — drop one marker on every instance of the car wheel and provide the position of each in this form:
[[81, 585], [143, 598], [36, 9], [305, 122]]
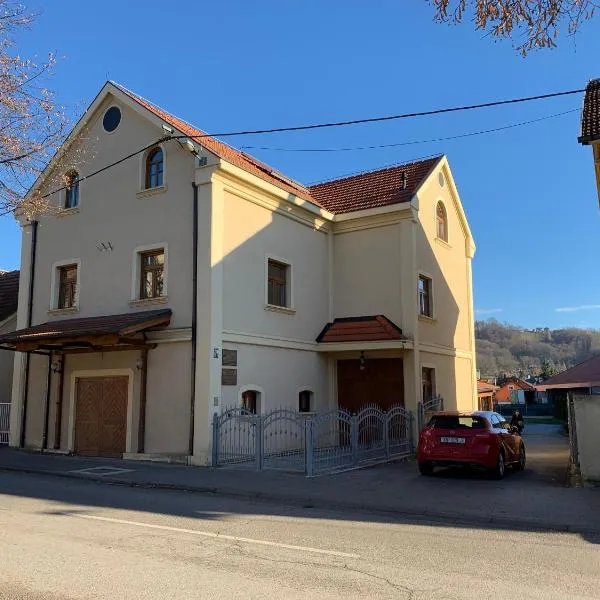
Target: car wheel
[[425, 468], [520, 466], [500, 468]]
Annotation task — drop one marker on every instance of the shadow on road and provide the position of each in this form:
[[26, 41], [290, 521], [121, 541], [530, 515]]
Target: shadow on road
[[535, 500]]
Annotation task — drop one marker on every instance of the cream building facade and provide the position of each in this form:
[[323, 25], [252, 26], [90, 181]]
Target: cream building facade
[[191, 277]]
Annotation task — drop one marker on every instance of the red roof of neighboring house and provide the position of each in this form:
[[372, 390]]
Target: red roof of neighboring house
[[360, 329], [483, 387], [590, 115], [383, 187], [222, 150], [9, 293], [515, 381], [585, 374]]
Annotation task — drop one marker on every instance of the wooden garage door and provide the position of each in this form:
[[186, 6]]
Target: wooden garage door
[[101, 416], [381, 382]]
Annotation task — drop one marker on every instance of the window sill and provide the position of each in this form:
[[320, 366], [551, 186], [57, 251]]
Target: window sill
[[161, 189], [58, 312], [149, 301], [67, 212], [426, 319], [442, 242], [280, 309]]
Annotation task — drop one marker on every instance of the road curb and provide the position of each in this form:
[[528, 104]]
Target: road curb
[[319, 503]]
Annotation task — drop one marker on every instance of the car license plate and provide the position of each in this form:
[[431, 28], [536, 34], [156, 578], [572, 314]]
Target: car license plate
[[453, 440]]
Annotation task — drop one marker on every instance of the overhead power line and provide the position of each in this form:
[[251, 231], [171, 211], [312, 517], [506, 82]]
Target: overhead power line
[[321, 126], [411, 143], [437, 111]]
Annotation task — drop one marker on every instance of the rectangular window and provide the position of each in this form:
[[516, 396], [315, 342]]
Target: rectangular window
[[67, 286], [152, 271], [277, 282], [425, 300], [428, 382]]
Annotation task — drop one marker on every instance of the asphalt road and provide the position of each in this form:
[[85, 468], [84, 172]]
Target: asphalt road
[[65, 539]]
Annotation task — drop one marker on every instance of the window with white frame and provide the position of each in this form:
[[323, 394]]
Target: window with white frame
[[65, 285], [150, 265], [278, 283], [305, 401], [425, 296]]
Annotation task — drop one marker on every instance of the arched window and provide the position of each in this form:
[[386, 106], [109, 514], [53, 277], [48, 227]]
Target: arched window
[[72, 193], [250, 401], [305, 401], [154, 168], [442, 222]]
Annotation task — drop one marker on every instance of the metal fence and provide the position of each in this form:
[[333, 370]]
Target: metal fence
[[4, 422], [311, 443], [425, 409]]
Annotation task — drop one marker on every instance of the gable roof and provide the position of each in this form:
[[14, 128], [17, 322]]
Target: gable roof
[[520, 383], [231, 155], [590, 114], [585, 374], [360, 329], [383, 187], [9, 293]]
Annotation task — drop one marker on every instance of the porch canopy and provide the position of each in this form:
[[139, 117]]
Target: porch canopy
[[90, 334], [362, 333]]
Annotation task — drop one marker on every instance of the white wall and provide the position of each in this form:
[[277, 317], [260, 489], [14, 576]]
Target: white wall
[[281, 374], [587, 415]]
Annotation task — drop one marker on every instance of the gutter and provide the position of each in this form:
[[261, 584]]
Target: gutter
[[194, 313], [34, 225]]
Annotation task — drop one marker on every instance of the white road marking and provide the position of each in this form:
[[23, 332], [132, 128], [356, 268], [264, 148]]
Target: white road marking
[[102, 471], [219, 536]]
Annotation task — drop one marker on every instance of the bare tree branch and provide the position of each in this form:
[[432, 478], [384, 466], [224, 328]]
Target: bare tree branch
[[539, 22]]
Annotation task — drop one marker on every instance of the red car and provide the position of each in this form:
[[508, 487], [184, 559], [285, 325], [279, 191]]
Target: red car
[[479, 439]]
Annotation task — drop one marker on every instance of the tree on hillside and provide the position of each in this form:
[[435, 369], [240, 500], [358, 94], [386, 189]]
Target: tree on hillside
[[32, 126], [548, 369], [531, 24]]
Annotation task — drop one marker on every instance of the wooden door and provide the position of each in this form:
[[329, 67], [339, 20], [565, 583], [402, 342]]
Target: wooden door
[[101, 416], [381, 382]]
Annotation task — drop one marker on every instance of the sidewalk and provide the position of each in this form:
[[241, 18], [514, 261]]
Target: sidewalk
[[537, 498]]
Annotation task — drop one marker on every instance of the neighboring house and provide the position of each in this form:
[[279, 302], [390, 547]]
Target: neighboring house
[[9, 293], [516, 391], [582, 384], [590, 124], [192, 277], [486, 394]]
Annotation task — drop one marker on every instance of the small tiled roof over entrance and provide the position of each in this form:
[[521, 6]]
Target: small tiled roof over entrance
[[360, 329], [583, 375], [9, 293], [590, 115], [88, 328], [374, 189]]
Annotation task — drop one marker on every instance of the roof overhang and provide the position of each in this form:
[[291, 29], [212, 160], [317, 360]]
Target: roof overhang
[[92, 334], [568, 386], [405, 344]]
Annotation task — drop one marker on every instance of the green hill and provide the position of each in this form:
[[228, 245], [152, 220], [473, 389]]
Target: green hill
[[504, 349]]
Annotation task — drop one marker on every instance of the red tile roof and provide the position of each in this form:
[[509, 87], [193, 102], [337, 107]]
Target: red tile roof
[[585, 374], [392, 185], [9, 293], [590, 115], [222, 150], [483, 387], [121, 325], [366, 190], [360, 329]]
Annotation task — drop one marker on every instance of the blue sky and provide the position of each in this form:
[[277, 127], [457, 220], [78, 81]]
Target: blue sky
[[529, 192]]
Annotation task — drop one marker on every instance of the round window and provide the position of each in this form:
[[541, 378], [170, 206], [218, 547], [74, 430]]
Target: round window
[[112, 118], [441, 179]]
